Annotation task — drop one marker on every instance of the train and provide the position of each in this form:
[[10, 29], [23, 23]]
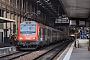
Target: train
[[32, 34]]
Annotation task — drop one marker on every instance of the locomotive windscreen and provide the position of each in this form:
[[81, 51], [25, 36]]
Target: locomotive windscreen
[[28, 28]]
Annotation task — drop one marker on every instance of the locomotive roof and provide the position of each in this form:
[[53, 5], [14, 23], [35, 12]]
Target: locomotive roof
[[34, 22], [53, 29]]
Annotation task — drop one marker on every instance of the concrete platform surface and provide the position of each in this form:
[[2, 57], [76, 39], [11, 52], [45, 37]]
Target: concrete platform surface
[[76, 53], [5, 45], [7, 50], [80, 54]]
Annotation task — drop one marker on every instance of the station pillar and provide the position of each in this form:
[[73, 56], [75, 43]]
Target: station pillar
[[89, 38], [75, 35]]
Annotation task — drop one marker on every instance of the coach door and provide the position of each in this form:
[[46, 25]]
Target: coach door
[[39, 33]]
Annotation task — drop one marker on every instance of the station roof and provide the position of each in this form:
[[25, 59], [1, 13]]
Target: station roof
[[52, 8], [77, 8], [74, 9], [2, 20]]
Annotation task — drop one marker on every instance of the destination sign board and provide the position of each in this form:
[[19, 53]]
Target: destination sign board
[[62, 20]]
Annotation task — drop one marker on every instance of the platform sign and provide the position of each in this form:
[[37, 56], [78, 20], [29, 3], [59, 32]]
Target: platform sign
[[62, 21], [81, 23], [73, 23]]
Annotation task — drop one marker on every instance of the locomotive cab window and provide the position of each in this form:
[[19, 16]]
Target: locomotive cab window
[[28, 29]]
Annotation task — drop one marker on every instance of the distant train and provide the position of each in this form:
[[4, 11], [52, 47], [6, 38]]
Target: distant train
[[33, 35]]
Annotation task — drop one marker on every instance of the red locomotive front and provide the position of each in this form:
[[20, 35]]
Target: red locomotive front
[[27, 34]]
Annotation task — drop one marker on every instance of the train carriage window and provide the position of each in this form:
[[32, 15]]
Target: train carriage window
[[49, 32]]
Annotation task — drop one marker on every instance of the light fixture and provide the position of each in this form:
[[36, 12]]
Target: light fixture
[[38, 0]]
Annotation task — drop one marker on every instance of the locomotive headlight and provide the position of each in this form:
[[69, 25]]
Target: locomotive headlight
[[21, 38], [34, 38]]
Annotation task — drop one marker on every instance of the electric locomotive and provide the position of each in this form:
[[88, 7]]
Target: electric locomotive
[[33, 35]]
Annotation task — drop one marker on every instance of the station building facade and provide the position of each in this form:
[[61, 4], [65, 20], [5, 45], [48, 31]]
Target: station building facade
[[12, 13]]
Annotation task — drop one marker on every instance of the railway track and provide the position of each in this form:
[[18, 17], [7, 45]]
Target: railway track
[[49, 55], [14, 55]]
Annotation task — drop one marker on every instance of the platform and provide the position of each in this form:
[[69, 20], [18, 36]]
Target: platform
[[4, 45], [80, 54], [6, 48], [76, 53]]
